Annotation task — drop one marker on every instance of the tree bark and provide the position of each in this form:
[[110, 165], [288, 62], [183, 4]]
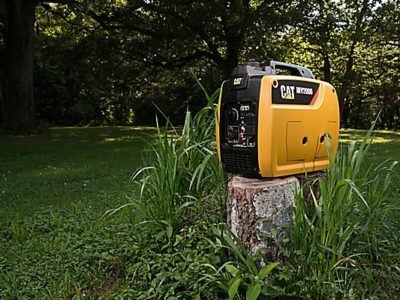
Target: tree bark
[[17, 103], [232, 55], [327, 67], [259, 207]]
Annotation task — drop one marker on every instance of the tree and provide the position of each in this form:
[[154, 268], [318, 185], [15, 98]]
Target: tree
[[172, 33], [164, 34], [17, 18], [96, 61], [343, 38], [16, 25]]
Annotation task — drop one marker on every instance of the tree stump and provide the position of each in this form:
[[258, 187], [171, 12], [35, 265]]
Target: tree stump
[[258, 209], [311, 187]]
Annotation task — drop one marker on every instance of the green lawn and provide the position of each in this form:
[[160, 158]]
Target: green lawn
[[90, 166], [55, 241], [385, 144], [54, 190]]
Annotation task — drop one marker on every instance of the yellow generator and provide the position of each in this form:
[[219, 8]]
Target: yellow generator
[[272, 125]]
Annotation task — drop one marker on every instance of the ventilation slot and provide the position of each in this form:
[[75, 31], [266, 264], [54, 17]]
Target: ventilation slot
[[236, 161]]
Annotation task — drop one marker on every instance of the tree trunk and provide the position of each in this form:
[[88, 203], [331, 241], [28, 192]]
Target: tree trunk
[[232, 55], [344, 114], [327, 67], [17, 106], [343, 92]]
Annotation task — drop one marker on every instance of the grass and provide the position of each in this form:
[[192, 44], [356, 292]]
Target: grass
[[385, 144], [68, 165], [55, 241], [341, 243], [54, 191], [181, 173]]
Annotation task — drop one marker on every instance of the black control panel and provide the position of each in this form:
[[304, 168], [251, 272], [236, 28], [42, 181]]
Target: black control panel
[[240, 124]]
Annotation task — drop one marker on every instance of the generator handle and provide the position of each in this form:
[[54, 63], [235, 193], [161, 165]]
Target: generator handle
[[294, 69]]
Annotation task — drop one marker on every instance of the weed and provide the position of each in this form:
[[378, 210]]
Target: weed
[[240, 276], [327, 248], [181, 170]]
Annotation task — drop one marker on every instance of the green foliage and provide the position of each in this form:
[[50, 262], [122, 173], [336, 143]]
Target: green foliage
[[61, 253], [181, 170], [76, 253], [56, 242], [174, 270], [330, 248], [98, 60], [242, 277], [347, 44]]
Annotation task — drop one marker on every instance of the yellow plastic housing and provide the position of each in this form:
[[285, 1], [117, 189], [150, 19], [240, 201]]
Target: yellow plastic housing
[[291, 138]]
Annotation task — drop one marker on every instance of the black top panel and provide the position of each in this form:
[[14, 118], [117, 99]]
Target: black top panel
[[249, 88]]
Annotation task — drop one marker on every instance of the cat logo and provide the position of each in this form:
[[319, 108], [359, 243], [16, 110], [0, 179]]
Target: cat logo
[[287, 92], [237, 81]]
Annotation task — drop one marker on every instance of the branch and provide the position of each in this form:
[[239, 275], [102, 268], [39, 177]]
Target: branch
[[109, 23], [63, 17], [61, 2], [179, 62], [215, 54], [166, 63]]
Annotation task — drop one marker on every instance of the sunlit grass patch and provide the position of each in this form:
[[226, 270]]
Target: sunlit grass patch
[[385, 144], [378, 136]]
